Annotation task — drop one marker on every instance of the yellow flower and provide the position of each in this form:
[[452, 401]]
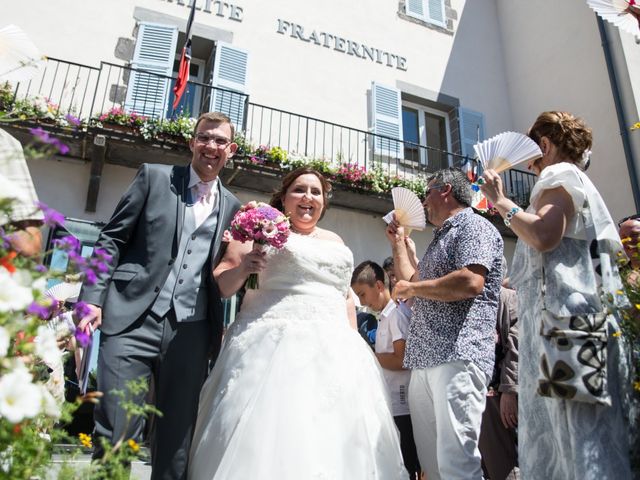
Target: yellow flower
[[638, 306], [619, 292], [636, 386], [635, 126], [616, 334], [85, 440], [133, 445], [624, 240]]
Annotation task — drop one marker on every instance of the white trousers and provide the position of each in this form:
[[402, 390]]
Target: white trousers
[[446, 404]]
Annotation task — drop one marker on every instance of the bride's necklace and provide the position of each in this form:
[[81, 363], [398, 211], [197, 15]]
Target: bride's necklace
[[314, 233]]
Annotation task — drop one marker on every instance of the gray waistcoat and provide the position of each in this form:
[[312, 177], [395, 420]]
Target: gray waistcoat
[[185, 288]]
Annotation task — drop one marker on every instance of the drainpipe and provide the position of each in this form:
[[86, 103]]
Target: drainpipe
[[623, 121]]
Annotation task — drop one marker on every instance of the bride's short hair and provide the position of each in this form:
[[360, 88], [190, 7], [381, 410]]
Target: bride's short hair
[[289, 178]]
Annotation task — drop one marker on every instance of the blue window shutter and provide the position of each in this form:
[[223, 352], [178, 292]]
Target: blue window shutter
[[387, 119], [230, 73], [155, 52], [415, 8], [471, 130], [436, 14]]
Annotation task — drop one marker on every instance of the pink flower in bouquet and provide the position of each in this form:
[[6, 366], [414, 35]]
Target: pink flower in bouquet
[[262, 224]]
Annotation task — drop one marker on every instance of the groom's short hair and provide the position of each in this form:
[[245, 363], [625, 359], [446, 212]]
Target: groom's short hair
[[217, 117]]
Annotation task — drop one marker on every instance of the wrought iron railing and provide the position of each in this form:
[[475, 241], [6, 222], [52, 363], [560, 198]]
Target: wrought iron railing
[[88, 92]]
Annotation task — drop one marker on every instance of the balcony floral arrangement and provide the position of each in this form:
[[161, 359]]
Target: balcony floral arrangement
[[353, 176], [177, 130], [119, 117], [36, 108]]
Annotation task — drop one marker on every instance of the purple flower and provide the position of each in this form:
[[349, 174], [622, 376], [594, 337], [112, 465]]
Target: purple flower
[[43, 310], [52, 217], [75, 121], [102, 255], [40, 268], [83, 338], [81, 310], [269, 212], [68, 243], [43, 136], [90, 277], [38, 310], [63, 148], [5, 240]]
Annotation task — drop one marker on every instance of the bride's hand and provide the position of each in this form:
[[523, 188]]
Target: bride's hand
[[253, 261]]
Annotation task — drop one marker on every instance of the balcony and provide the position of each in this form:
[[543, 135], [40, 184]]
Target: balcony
[[364, 166]]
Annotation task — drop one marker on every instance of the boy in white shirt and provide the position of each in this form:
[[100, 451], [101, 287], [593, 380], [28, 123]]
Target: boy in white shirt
[[371, 285]]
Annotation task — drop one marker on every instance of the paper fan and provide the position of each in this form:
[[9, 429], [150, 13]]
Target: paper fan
[[19, 57], [408, 209], [506, 150], [624, 14], [64, 291]]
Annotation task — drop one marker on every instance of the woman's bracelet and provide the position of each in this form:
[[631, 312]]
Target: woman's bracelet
[[510, 214]]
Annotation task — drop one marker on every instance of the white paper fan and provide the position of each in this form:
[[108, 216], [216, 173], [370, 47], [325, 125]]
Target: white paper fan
[[408, 209], [64, 291], [20, 59], [624, 14], [506, 150]]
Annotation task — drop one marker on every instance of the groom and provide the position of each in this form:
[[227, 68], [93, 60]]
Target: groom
[[157, 306]]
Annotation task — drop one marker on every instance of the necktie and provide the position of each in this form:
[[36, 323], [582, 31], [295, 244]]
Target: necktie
[[202, 207], [203, 192]]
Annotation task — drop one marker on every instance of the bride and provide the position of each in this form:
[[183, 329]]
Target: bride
[[295, 392]]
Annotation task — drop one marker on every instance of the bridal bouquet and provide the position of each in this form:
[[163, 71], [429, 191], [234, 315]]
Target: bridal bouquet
[[264, 225]]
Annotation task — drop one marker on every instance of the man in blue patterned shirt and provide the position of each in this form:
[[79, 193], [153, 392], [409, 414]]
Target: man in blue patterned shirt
[[450, 346]]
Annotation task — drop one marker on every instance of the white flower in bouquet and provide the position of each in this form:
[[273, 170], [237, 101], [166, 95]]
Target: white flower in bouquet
[[19, 397], [46, 346], [13, 295], [4, 342]]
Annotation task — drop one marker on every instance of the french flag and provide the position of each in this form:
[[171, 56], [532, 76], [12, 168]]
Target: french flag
[[185, 61]]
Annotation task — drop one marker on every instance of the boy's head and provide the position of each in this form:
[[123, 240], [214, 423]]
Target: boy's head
[[371, 285], [389, 269]]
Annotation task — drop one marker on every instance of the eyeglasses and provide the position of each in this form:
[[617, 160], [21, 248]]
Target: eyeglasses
[[437, 186], [630, 217], [205, 139]]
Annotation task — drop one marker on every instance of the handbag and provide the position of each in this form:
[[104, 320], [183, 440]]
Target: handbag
[[573, 352]]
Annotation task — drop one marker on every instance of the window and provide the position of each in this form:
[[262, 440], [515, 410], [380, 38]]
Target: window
[[190, 101], [216, 63], [425, 126], [430, 11]]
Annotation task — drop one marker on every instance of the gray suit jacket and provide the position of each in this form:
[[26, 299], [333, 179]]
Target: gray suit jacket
[[142, 236]]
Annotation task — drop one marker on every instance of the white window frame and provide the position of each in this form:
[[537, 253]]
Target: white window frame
[[426, 12], [422, 128]]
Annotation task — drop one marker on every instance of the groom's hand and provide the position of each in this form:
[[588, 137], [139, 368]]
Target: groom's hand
[[92, 321]]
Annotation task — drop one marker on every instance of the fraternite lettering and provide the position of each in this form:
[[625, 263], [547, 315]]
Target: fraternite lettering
[[342, 45]]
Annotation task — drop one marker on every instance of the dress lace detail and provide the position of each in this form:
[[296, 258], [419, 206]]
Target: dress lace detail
[[295, 392]]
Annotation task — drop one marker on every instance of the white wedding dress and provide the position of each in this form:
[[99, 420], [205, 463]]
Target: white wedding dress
[[296, 393]]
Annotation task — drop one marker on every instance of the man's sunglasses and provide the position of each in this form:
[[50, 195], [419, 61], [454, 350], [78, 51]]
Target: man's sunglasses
[[630, 217], [434, 187]]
